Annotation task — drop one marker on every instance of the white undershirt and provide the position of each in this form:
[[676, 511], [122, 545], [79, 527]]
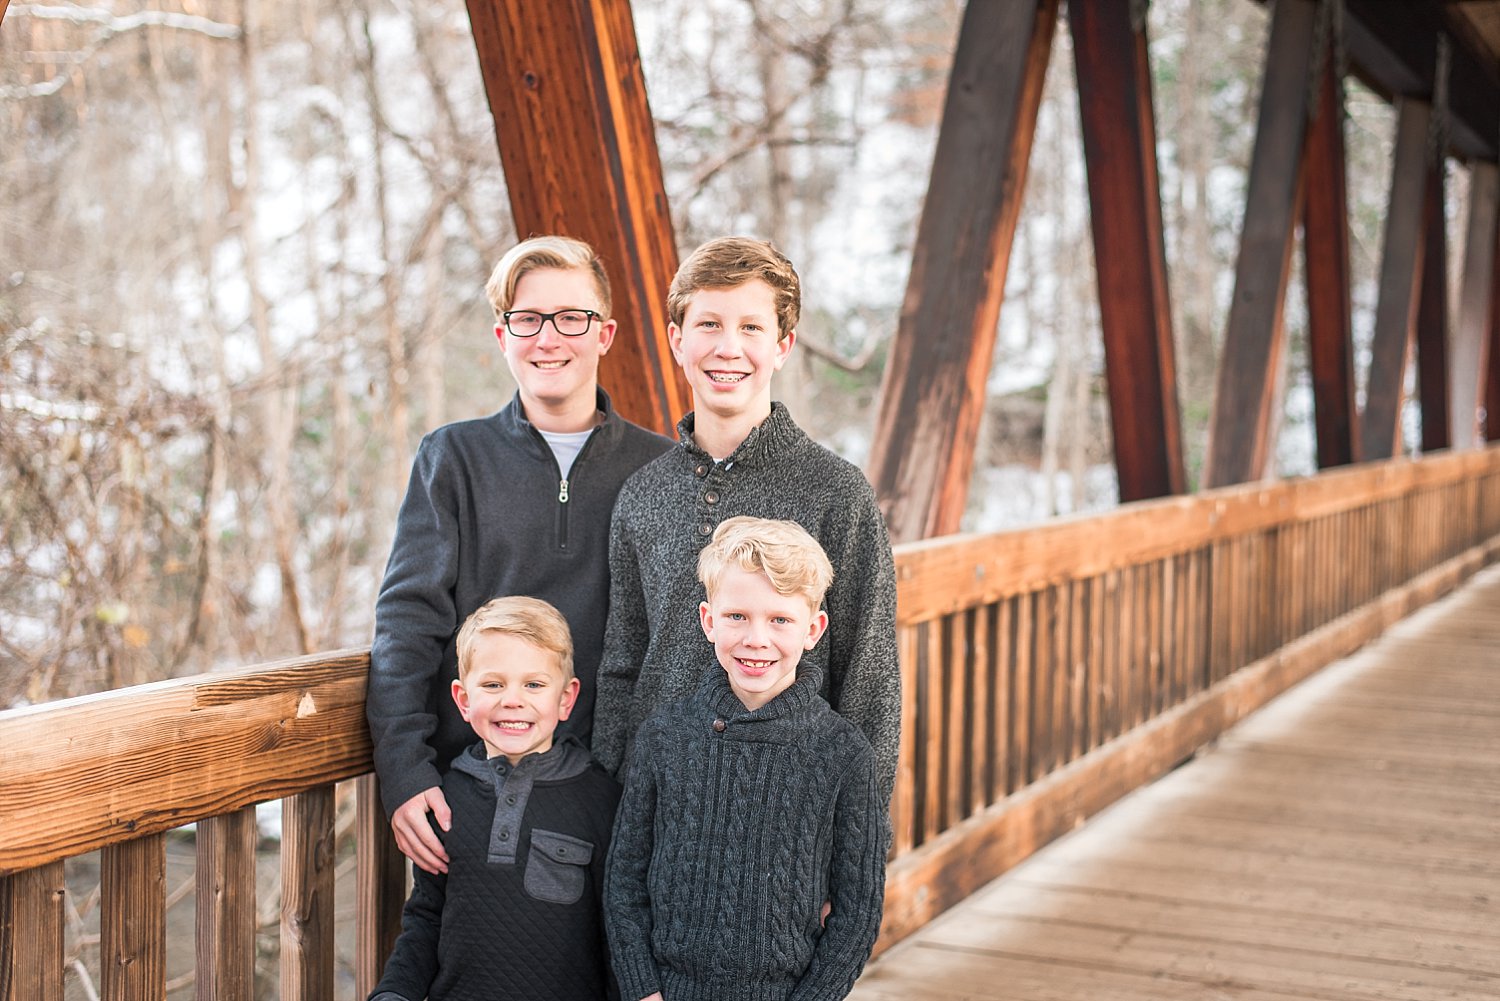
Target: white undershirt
[[565, 446]]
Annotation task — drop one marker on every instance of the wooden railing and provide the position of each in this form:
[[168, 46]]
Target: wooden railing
[[1046, 673]]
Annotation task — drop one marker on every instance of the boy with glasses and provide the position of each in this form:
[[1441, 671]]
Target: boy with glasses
[[734, 305], [517, 503]]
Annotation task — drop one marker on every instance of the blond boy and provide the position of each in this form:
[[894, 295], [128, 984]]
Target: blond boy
[[531, 820], [734, 305], [749, 804]]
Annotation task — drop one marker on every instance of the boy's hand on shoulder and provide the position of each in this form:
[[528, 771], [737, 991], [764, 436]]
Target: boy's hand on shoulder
[[654, 997], [415, 836]]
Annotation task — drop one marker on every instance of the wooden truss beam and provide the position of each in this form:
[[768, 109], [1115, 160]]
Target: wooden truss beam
[[1471, 334], [1238, 443], [579, 150], [932, 394], [1400, 277], [1393, 49], [1491, 392], [1119, 143], [1325, 246], [1432, 315], [3, 4]]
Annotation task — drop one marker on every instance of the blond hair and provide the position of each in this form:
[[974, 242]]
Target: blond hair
[[538, 253], [529, 619], [782, 550], [731, 261]]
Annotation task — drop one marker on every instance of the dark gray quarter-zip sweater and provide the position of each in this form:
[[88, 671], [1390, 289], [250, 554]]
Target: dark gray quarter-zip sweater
[[487, 514]]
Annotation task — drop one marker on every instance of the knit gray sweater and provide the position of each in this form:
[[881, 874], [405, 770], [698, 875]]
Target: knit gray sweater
[[735, 828], [654, 647]]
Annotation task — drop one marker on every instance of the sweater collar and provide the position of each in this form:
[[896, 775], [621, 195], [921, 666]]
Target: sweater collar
[[767, 440], [513, 415], [563, 760], [776, 720]]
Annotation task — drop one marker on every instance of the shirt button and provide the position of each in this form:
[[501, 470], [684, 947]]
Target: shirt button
[[562, 851], [705, 529], [700, 470], [510, 801], [504, 835], [720, 726], [712, 497]]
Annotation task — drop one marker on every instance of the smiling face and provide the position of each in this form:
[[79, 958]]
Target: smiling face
[[557, 375], [728, 347], [514, 695], [759, 634]]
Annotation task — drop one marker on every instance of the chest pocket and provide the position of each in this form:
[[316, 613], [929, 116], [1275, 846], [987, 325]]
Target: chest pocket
[[557, 867]]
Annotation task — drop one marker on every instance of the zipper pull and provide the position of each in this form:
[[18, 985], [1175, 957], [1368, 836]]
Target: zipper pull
[[562, 491]]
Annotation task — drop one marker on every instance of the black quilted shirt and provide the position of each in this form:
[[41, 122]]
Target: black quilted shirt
[[518, 917]]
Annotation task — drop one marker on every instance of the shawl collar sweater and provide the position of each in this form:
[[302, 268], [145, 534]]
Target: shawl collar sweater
[[735, 827], [486, 514], [654, 647]]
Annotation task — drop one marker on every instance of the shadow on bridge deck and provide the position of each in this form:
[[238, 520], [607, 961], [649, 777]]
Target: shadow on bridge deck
[[1341, 844]]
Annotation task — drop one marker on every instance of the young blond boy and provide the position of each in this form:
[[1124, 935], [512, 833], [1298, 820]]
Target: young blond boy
[[749, 804], [734, 305], [518, 915], [515, 503]]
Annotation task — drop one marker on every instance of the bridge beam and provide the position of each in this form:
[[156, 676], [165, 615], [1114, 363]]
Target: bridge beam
[[1491, 393], [1253, 341], [1400, 276], [1471, 348], [1325, 246], [1393, 49], [579, 151], [1119, 144], [932, 394], [1432, 314]]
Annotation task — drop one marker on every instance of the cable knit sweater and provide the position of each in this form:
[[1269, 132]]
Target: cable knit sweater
[[654, 647], [735, 828]]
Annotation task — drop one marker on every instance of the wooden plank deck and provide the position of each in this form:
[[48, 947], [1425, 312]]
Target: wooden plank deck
[[1342, 844]]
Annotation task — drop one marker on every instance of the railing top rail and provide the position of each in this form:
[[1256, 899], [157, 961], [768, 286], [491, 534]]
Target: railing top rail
[[936, 577], [82, 773]]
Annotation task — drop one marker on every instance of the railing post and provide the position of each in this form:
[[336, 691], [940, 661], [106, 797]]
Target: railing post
[[226, 907], [307, 857], [133, 922], [381, 888], [31, 934]]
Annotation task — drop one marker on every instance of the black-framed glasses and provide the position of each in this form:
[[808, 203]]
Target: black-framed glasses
[[568, 322]]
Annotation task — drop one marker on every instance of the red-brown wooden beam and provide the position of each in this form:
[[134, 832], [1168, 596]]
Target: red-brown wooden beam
[[1119, 144], [1325, 246], [3, 4], [1254, 338], [1432, 314], [932, 394], [1400, 278], [1471, 334], [579, 150], [1491, 391]]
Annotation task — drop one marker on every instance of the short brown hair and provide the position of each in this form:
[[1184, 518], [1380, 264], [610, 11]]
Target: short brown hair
[[731, 261], [782, 550], [529, 619], [538, 253]]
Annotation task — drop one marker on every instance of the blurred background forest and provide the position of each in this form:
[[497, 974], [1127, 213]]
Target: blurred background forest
[[243, 245]]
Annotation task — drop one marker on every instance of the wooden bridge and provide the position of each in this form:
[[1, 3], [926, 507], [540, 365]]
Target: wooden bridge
[[1048, 673], [1340, 844]]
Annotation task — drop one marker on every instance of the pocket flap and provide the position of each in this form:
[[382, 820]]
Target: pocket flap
[[562, 848]]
